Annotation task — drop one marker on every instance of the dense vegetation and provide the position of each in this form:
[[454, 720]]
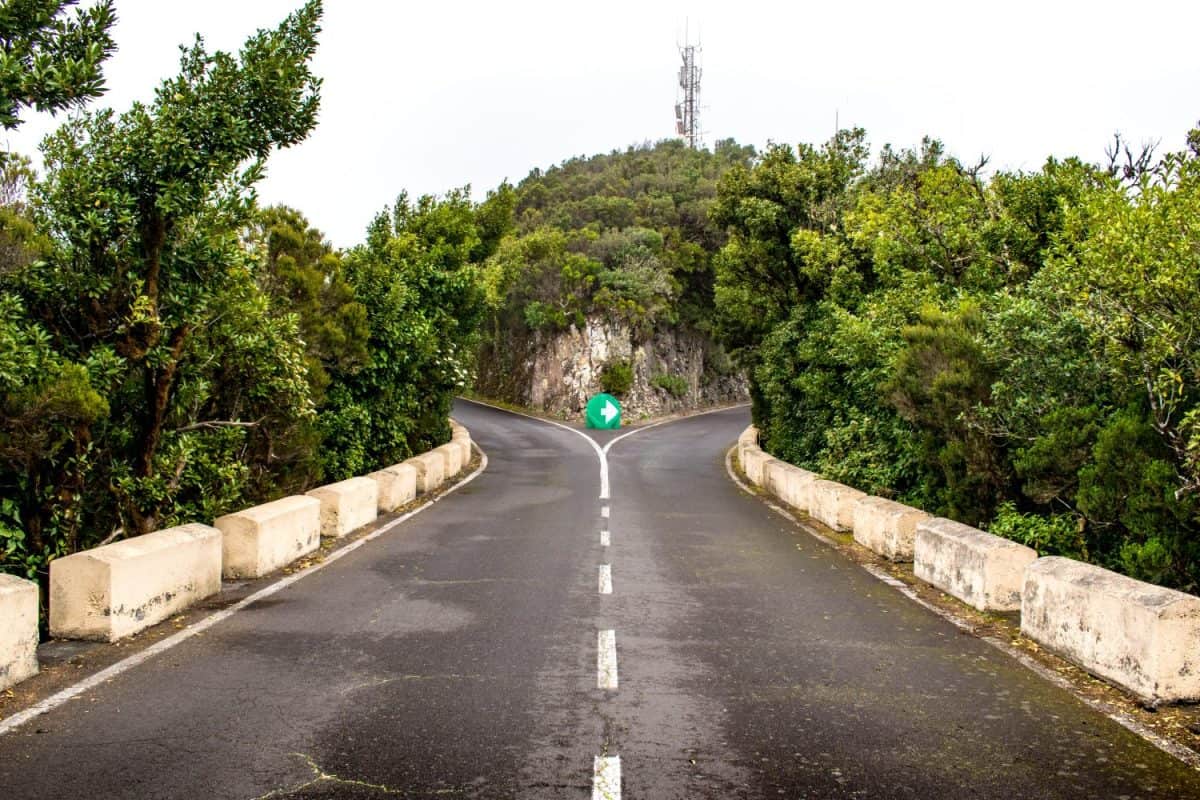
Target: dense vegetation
[[168, 350], [626, 236], [1020, 352]]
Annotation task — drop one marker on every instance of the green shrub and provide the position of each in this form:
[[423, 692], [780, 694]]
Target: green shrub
[[617, 377], [673, 385], [1052, 535]]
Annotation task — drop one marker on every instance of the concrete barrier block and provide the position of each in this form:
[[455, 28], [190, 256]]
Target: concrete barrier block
[[347, 506], [397, 485], [119, 589], [774, 474], [431, 471], [747, 439], [797, 488], [264, 538], [832, 504], [463, 443], [982, 570], [452, 455], [753, 460], [18, 630], [886, 527], [1142, 637]]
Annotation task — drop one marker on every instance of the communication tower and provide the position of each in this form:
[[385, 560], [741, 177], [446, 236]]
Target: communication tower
[[687, 106]]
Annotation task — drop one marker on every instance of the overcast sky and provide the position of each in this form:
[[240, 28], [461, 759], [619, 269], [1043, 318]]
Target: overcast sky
[[429, 96]]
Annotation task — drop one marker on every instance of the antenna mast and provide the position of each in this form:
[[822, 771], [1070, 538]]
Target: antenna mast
[[687, 108]]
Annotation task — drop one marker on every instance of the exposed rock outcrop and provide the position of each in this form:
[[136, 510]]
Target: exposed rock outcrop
[[674, 369]]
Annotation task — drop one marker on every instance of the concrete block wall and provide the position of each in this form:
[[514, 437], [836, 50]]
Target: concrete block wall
[[1141, 637], [18, 630], [347, 505], [833, 504], [397, 485], [887, 527], [430, 469], [1145, 638], [981, 569], [260, 540], [116, 590]]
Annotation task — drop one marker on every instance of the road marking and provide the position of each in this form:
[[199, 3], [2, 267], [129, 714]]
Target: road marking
[[606, 579], [602, 452], [606, 660], [606, 778], [605, 538], [604, 512], [104, 675], [1114, 713]]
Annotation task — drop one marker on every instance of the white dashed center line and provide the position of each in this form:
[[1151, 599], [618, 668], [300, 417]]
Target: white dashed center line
[[606, 660], [606, 778], [604, 512], [605, 579], [605, 538]]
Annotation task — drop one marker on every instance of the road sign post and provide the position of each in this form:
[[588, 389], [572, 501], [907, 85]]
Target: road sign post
[[603, 412]]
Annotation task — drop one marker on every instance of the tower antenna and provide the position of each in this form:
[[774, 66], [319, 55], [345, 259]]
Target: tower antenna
[[687, 105]]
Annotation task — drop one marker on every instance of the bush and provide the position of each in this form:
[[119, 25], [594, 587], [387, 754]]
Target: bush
[[673, 385], [617, 377], [1051, 535]]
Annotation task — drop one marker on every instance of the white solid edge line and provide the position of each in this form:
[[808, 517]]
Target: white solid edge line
[[108, 673], [606, 579], [1189, 757], [600, 454], [605, 538], [606, 778], [606, 660]]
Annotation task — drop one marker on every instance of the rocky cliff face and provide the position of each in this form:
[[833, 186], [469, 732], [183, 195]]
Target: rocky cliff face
[[673, 370]]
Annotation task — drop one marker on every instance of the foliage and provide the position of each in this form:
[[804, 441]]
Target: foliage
[[1048, 534], [617, 377], [51, 61], [674, 385], [1020, 352], [426, 300], [626, 235], [147, 355]]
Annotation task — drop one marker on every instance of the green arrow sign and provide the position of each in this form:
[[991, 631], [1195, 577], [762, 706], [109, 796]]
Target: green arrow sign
[[603, 412]]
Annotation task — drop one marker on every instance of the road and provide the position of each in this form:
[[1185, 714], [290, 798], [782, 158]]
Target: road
[[465, 654]]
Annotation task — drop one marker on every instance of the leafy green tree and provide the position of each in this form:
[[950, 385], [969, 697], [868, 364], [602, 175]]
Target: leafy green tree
[[425, 301], [51, 60], [145, 212], [776, 214]]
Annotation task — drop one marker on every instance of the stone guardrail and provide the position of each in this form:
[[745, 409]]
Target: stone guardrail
[[18, 630], [264, 538], [1139, 636], [110, 592], [116, 590], [1143, 637]]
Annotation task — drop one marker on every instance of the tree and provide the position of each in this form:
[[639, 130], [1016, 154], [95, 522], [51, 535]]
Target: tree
[[51, 61], [145, 211], [424, 299], [776, 214]]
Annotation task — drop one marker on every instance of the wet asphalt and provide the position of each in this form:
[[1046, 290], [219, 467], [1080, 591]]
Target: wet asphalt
[[456, 656]]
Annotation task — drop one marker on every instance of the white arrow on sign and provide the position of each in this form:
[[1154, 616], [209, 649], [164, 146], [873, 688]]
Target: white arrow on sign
[[609, 411]]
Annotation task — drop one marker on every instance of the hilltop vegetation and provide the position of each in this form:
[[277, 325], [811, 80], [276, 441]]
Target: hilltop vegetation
[[1020, 352], [625, 237], [626, 234]]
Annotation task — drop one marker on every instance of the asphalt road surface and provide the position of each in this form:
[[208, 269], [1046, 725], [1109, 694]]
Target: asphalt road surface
[[482, 650]]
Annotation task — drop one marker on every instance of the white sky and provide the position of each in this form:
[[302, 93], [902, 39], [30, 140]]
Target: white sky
[[428, 96]]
